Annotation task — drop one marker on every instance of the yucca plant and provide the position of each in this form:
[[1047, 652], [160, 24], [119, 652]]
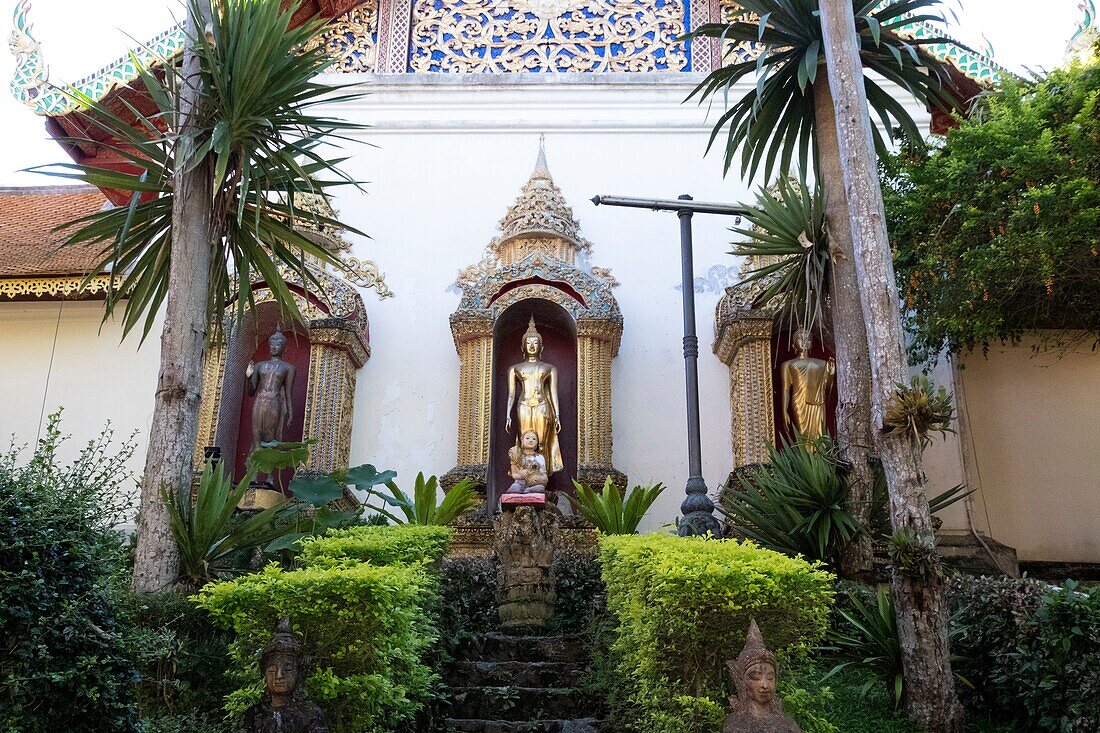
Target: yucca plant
[[797, 504], [609, 511], [215, 161], [424, 507], [777, 119], [787, 232]]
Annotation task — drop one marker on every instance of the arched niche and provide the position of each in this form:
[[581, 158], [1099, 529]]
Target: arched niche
[[559, 336], [330, 344]]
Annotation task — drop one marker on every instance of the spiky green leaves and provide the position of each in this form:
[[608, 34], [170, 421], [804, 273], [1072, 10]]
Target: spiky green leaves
[[258, 136], [609, 511], [775, 120], [423, 507]]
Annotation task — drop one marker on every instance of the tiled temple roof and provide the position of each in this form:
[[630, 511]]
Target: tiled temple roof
[[29, 246]]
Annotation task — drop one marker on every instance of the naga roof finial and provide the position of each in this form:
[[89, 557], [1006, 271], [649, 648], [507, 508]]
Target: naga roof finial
[[29, 82]]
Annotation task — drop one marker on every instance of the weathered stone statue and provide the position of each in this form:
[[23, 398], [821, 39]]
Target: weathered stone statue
[[271, 382], [525, 541], [537, 404], [528, 466], [756, 709], [284, 707], [806, 381]]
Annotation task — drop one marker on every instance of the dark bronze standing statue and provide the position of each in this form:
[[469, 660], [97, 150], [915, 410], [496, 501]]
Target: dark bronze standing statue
[[271, 383], [756, 709], [284, 707]]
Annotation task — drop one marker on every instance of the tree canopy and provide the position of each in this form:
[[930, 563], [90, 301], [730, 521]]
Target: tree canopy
[[996, 231]]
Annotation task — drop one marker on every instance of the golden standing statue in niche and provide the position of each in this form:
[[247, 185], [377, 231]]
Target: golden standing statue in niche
[[806, 382], [537, 406]]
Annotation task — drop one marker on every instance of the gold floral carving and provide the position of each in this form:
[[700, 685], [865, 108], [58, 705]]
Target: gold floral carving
[[352, 39], [213, 369], [734, 52], [495, 36], [54, 287], [330, 400]]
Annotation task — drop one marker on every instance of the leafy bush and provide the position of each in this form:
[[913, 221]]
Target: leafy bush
[[65, 661], [469, 602], [609, 511], [1030, 651], [683, 606], [995, 232], [364, 628], [580, 595], [868, 639], [386, 545]]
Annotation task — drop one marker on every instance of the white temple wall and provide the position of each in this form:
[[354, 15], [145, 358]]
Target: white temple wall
[[1033, 427], [69, 363], [450, 155]]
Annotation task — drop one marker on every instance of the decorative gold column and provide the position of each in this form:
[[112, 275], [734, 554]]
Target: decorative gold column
[[744, 344], [597, 345], [213, 372], [473, 337], [334, 356]]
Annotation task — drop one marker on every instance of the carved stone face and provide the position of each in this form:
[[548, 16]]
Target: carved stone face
[[761, 679], [532, 346], [530, 440], [276, 344], [281, 674], [803, 339]]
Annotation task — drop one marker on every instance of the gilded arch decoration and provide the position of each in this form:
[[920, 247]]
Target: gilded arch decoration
[[535, 258]]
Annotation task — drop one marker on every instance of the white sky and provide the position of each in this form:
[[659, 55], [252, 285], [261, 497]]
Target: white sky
[[79, 36]]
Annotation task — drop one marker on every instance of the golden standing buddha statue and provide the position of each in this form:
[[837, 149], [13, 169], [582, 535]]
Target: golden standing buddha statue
[[537, 404], [806, 382]]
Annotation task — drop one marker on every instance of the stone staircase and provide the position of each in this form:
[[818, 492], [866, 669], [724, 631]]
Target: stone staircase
[[513, 683]]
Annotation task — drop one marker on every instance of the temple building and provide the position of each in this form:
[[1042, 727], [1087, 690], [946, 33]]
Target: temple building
[[492, 125]]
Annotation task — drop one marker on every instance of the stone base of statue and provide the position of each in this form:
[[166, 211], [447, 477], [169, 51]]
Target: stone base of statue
[[260, 495], [526, 540], [535, 498]]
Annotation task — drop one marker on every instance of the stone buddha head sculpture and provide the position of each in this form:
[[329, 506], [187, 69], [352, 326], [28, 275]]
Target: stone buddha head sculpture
[[277, 343], [754, 674], [281, 664], [283, 707]]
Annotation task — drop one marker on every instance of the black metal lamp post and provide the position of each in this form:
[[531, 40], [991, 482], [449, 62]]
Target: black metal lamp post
[[697, 508]]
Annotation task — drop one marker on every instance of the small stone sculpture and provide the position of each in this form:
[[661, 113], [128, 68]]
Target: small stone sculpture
[[284, 707], [756, 709], [525, 541], [271, 384]]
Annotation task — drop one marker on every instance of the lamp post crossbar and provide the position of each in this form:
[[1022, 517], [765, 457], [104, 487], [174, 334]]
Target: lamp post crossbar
[[697, 509]]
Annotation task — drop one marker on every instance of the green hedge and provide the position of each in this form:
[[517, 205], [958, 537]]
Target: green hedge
[[365, 629], [385, 545], [683, 606]]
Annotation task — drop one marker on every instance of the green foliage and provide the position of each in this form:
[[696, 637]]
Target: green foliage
[[65, 664], [256, 132], [210, 534], [995, 232], [918, 409], [787, 228], [422, 506], [777, 117], [396, 545], [608, 511], [1030, 651], [869, 641], [843, 703], [364, 628], [683, 606], [183, 663], [469, 602], [579, 592], [797, 504]]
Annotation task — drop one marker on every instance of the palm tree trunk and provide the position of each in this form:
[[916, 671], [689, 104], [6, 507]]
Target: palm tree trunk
[[175, 413], [921, 599], [853, 366]]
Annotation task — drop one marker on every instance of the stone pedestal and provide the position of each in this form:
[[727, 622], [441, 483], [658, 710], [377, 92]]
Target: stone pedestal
[[526, 541]]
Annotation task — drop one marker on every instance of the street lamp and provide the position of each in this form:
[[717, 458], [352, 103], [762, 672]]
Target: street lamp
[[697, 509]]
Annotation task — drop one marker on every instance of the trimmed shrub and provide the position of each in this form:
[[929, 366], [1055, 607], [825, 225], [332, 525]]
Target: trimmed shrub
[[683, 606], [469, 602], [66, 662], [364, 629], [1032, 651], [379, 545]]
